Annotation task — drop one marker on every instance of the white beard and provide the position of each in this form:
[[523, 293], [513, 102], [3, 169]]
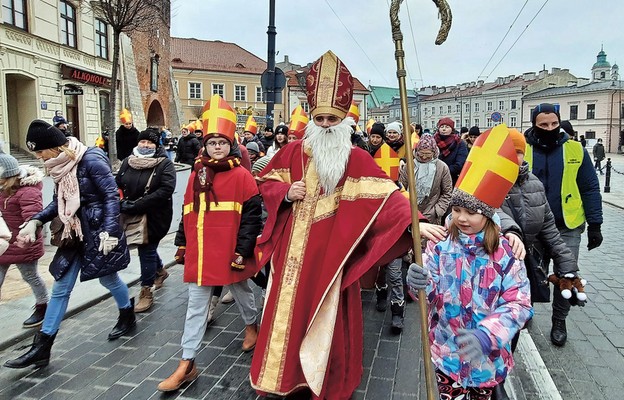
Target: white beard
[[331, 149]]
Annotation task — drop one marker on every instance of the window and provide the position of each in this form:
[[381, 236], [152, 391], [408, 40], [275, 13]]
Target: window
[[476, 122], [240, 93], [467, 107], [305, 106], [14, 12], [176, 86], [621, 110], [512, 121], [101, 39], [104, 107], [426, 125], [414, 111], [432, 110], [458, 108], [489, 122], [466, 122], [590, 135], [457, 123], [501, 105], [513, 104], [259, 94], [477, 108], [391, 112], [489, 106], [195, 90], [441, 110], [217, 88], [68, 24], [573, 112], [154, 73], [448, 109], [591, 111]]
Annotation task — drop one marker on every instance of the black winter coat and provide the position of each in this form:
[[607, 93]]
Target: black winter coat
[[526, 205], [157, 203], [456, 160], [98, 212], [266, 141], [125, 141], [188, 149]]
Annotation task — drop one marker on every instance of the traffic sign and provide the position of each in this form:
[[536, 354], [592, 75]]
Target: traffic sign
[[496, 116], [280, 80]]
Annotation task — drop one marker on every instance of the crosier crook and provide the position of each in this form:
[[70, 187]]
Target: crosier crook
[[397, 37]]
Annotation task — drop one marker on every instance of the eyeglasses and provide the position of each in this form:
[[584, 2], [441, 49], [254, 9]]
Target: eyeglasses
[[220, 143]]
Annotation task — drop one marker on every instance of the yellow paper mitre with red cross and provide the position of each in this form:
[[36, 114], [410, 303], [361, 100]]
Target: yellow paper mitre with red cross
[[251, 125], [354, 112], [125, 116], [199, 125], [298, 122], [388, 160], [369, 125], [219, 119], [491, 169]]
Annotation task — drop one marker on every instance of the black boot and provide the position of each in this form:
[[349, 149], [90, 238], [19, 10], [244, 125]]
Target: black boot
[[125, 323], [38, 355], [398, 316], [558, 333], [499, 392], [382, 298], [36, 318]]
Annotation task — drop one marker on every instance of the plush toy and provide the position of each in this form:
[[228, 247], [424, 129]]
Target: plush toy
[[572, 288]]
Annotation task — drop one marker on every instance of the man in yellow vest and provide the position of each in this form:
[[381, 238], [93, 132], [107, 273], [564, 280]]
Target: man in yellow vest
[[566, 170]]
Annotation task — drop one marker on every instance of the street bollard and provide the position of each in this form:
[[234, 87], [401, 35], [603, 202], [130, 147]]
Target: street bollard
[[607, 188]]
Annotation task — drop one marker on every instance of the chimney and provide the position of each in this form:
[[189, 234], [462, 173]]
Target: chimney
[[506, 80], [286, 59], [571, 83], [473, 84], [528, 76], [542, 74], [479, 83], [556, 70]]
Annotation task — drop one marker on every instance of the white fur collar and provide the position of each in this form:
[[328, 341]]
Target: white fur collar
[[31, 176]]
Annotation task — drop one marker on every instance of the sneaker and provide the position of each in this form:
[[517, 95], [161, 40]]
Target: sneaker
[[227, 298], [161, 275]]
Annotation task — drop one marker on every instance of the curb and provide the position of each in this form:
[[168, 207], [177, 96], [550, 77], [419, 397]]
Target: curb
[[7, 342], [613, 204]]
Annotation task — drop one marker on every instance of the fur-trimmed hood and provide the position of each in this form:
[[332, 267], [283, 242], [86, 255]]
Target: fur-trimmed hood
[[31, 175]]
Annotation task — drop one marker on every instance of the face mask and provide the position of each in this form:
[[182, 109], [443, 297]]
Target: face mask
[[547, 137], [146, 151]]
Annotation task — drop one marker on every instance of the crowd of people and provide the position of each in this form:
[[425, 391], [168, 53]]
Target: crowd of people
[[311, 212]]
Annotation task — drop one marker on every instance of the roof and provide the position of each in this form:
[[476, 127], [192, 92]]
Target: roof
[[469, 91], [565, 90], [214, 55], [384, 95], [291, 80]]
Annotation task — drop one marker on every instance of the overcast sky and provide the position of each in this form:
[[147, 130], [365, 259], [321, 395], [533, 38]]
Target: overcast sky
[[565, 34]]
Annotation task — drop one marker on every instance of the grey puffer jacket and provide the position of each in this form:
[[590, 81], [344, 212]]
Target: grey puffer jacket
[[526, 212]]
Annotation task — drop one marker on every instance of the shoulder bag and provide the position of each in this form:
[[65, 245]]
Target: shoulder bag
[[135, 226]]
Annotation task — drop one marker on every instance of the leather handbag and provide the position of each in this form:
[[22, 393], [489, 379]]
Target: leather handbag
[[537, 273], [135, 226], [56, 232]]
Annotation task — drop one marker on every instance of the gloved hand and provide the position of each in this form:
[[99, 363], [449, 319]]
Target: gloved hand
[[594, 237], [127, 207], [474, 344], [179, 255], [417, 277], [107, 243], [238, 262], [28, 231]]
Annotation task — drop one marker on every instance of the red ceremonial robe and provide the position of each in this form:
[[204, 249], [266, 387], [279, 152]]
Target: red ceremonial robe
[[311, 331], [211, 233]]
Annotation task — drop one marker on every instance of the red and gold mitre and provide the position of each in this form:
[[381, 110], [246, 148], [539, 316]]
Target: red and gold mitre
[[388, 160], [354, 112], [329, 86], [491, 168], [125, 116], [369, 125], [298, 122], [219, 119], [251, 125]]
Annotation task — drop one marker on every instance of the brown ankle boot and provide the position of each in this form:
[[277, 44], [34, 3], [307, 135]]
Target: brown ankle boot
[[251, 335], [186, 372], [146, 300]]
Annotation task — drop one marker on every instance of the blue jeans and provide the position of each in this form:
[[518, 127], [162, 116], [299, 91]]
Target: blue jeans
[[61, 290], [150, 262]]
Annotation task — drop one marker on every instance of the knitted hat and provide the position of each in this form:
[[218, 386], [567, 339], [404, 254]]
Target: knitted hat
[[395, 126], [260, 163], [427, 142], [463, 130], [544, 108], [281, 130], [151, 135], [378, 129], [518, 140], [490, 171], [568, 128], [252, 146], [8, 165], [59, 121], [474, 131], [446, 121], [43, 136]]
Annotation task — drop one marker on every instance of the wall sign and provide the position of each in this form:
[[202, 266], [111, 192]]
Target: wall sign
[[73, 91], [83, 76]]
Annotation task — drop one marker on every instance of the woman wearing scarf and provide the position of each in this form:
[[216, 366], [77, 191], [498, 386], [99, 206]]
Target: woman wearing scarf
[[217, 236], [433, 180], [394, 138], [86, 201], [149, 160], [453, 150]]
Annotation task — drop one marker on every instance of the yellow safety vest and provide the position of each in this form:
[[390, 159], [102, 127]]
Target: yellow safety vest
[[571, 202]]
